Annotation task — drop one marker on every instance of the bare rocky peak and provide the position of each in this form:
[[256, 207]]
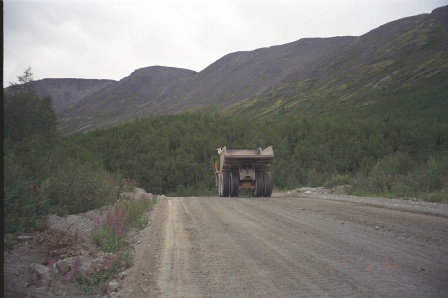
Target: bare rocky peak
[[441, 14], [152, 82]]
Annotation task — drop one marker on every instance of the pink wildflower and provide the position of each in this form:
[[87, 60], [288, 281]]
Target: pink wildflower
[[108, 264], [34, 186], [97, 222], [76, 265], [120, 230], [67, 277], [50, 263]]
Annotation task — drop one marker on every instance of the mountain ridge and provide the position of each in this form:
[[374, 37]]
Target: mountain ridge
[[66, 91], [342, 74]]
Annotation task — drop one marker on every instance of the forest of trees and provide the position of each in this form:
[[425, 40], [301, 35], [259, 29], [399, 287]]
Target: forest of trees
[[45, 172], [174, 154]]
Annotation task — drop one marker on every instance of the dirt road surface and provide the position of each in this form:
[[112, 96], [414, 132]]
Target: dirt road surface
[[292, 246]]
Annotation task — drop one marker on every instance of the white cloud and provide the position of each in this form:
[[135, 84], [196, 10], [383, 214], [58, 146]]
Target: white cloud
[[110, 39]]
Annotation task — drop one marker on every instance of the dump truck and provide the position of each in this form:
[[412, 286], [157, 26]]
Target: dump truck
[[244, 169]]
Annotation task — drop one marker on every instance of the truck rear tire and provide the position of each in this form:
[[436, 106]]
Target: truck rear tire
[[219, 186], [268, 185], [234, 184], [259, 184], [225, 184]]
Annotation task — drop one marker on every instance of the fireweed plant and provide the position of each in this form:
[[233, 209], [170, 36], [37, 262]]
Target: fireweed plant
[[109, 234]]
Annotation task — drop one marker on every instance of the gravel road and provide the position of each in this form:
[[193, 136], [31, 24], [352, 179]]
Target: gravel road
[[292, 246]]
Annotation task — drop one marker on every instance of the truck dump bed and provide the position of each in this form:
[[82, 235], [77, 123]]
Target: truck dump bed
[[234, 159]]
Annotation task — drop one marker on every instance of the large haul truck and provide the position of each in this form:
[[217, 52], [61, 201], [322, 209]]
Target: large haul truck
[[244, 169]]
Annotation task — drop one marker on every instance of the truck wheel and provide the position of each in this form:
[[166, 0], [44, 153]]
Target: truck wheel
[[268, 186], [219, 186], [234, 184], [225, 184], [259, 184]]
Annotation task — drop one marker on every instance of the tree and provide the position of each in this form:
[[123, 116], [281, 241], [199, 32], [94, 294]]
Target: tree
[[26, 113], [27, 76]]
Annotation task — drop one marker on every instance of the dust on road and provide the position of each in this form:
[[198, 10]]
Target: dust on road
[[291, 246]]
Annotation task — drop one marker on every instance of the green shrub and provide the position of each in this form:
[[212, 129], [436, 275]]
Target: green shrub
[[398, 176], [41, 180], [315, 178], [402, 189], [76, 188], [398, 163], [24, 207], [438, 197], [338, 180]]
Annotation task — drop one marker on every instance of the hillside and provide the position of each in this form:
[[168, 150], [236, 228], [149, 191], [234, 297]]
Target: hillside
[[144, 88], [241, 75], [66, 92], [399, 69]]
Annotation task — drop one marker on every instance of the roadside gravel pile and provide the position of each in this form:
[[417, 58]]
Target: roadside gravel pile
[[45, 263]]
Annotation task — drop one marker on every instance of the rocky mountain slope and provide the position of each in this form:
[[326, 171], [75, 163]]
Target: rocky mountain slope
[[143, 89], [400, 66]]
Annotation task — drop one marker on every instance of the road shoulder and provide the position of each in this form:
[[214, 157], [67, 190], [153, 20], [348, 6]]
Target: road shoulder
[[141, 278]]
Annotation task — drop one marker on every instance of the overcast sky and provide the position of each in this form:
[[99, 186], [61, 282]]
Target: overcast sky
[[109, 39]]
